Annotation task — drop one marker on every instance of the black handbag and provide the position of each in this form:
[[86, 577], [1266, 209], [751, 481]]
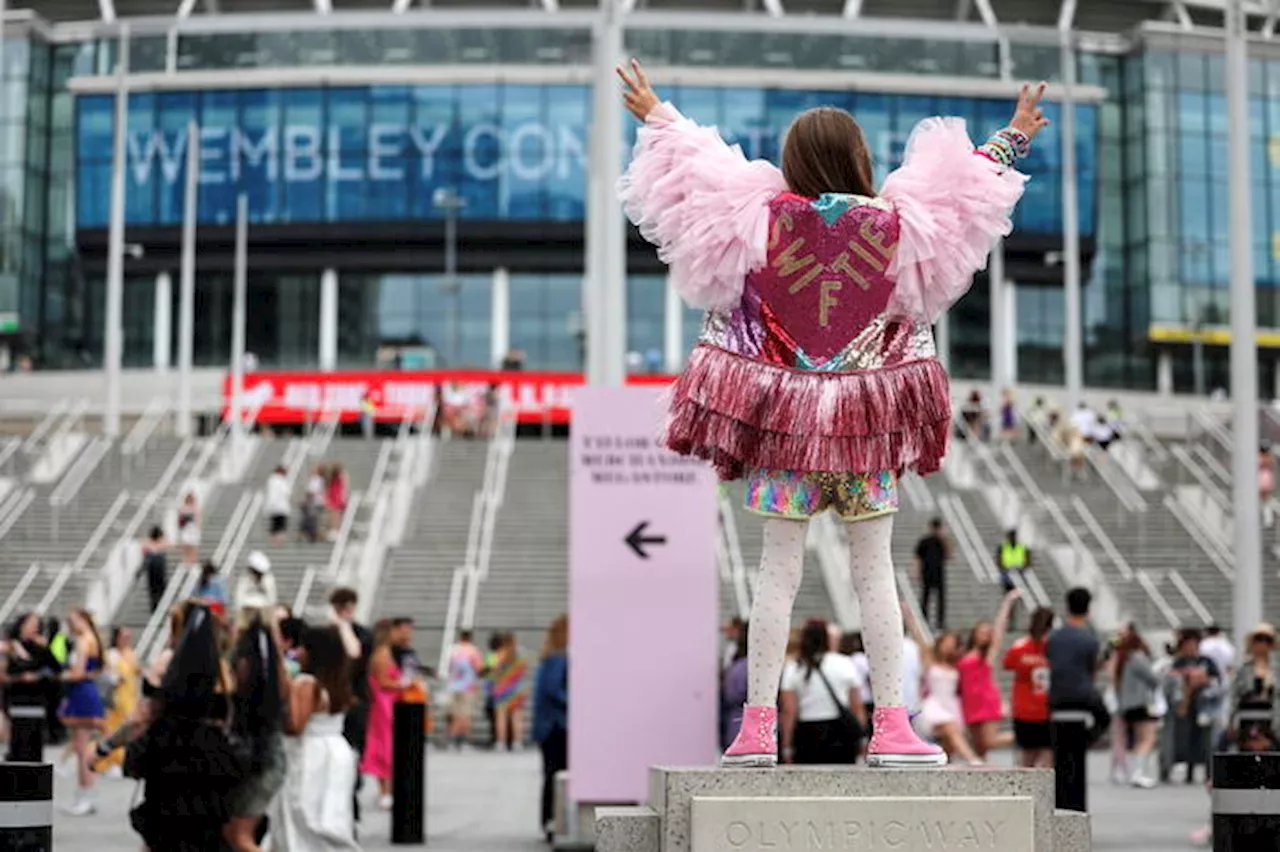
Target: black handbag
[[847, 719]]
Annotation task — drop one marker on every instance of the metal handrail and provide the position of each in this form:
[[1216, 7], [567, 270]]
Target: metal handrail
[[9, 450], [451, 617], [344, 533], [955, 514], [997, 474], [151, 642], [1215, 467], [232, 529], [86, 553], [1220, 557], [80, 472], [1211, 488], [13, 508], [1214, 428], [15, 597], [913, 608], [142, 430], [69, 422], [733, 552], [1162, 603], [326, 428], [1189, 595], [1113, 552], [304, 592], [46, 424], [232, 556], [1138, 426]]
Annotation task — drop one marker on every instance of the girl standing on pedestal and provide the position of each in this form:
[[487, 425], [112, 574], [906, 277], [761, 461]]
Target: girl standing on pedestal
[[816, 376]]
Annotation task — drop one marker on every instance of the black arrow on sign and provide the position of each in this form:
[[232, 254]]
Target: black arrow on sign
[[637, 540]]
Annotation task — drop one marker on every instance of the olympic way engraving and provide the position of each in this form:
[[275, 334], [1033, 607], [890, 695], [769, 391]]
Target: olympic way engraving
[[899, 824]]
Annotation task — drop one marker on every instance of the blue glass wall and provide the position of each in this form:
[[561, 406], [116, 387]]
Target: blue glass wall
[[514, 152]]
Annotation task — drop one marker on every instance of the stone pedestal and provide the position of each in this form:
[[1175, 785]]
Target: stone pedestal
[[844, 810]]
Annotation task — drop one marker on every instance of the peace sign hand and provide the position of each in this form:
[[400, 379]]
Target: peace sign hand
[[1029, 117], [638, 94]]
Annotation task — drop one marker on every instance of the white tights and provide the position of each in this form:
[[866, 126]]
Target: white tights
[[781, 564]]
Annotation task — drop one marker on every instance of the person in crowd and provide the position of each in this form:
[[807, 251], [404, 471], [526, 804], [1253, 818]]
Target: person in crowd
[[1030, 667], [184, 755], [733, 688], [496, 640], [1217, 647], [1267, 484], [1194, 691], [852, 647], [155, 564], [368, 415], [974, 414], [465, 665], [1073, 653], [189, 529], [386, 680], [940, 714], [1121, 772], [211, 588], [1008, 415], [292, 633], [490, 410], [276, 504], [932, 553], [1037, 418], [82, 710], [313, 505], [1115, 416], [358, 641], [1075, 443], [1012, 557], [314, 810], [60, 647], [510, 693], [1136, 703], [1084, 419], [259, 703], [551, 715], [29, 669], [336, 495], [256, 588], [125, 674], [979, 693], [1103, 433], [821, 713], [1254, 707]]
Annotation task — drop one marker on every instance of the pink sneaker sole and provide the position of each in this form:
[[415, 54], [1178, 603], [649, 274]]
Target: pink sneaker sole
[[906, 761], [749, 761]]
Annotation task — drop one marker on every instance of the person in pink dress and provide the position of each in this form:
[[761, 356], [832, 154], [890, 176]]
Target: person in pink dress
[[385, 682], [979, 693], [335, 497], [816, 378]]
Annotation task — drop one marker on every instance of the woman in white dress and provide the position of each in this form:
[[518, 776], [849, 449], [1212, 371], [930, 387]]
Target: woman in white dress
[[189, 529], [315, 810], [941, 716]]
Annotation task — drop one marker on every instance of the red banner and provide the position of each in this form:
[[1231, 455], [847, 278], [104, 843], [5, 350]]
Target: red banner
[[300, 397]]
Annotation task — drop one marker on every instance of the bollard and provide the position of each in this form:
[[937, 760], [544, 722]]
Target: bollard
[[1246, 801], [26, 807], [26, 733], [1070, 732], [408, 779]]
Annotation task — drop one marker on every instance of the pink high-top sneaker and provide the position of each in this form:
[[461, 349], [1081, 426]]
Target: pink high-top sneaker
[[757, 740], [895, 744]]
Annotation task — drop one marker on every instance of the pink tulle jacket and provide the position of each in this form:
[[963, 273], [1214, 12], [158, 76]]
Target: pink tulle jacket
[[817, 350]]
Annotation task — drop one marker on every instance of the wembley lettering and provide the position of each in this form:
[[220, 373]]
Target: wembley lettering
[[302, 153]]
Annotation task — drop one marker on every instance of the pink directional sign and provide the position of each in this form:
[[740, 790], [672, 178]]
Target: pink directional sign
[[643, 599]]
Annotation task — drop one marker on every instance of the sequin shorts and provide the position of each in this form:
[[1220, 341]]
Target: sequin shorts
[[852, 496]]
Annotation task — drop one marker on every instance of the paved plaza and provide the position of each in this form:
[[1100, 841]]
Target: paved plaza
[[481, 802]]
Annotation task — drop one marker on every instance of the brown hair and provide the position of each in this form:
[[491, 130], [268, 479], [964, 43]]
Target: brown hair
[[557, 640], [825, 151]]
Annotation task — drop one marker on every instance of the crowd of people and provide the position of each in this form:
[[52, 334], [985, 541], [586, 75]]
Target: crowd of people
[[1164, 713], [249, 731], [1085, 427]]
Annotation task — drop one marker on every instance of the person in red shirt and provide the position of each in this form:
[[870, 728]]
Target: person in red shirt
[[1030, 668]]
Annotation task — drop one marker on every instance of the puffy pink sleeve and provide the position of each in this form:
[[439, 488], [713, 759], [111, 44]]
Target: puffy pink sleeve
[[953, 204], [702, 203]]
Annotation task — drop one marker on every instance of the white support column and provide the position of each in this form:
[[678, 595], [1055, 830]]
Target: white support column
[[113, 333], [673, 330], [942, 339], [1247, 523], [1275, 380], [500, 317], [999, 324], [187, 282], [1073, 344], [1164, 372], [329, 320], [239, 314], [162, 345], [606, 299], [1010, 312]]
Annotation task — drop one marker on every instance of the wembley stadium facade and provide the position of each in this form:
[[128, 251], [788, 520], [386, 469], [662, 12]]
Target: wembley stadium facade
[[372, 140]]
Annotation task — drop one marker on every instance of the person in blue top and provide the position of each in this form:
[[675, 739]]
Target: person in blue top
[[551, 715]]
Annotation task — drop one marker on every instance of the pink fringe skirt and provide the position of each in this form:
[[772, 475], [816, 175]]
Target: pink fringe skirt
[[744, 415]]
